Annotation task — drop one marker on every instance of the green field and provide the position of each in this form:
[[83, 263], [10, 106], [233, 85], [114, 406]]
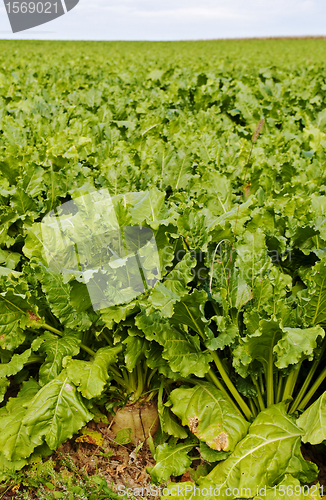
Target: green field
[[232, 333]]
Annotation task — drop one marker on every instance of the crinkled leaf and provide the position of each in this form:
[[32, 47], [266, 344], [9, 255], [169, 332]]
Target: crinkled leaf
[[34, 247], [182, 351], [151, 208], [92, 376], [258, 346], [170, 425], [58, 296], [209, 415], [252, 257], [239, 292], [167, 419], [116, 314], [166, 294], [156, 361], [237, 216], [56, 348], [227, 333], [297, 344], [79, 297], [192, 225]]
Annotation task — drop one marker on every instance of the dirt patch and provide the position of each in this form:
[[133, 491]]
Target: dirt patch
[[193, 424], [120, 465], [96, 452], [221, 442]]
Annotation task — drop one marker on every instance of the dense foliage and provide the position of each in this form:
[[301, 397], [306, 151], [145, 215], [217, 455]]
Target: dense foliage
[[238, 315]]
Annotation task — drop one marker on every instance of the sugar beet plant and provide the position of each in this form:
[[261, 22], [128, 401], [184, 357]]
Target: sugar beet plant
[[240, 316], [225, 322]]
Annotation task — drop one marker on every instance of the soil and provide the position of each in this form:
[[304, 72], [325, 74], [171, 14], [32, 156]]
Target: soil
[[124, 466]]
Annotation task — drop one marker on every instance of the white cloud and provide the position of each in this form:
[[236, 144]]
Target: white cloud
[[196, 13], [181, 19]]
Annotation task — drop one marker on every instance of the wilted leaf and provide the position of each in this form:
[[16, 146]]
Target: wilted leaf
[[91, 437]]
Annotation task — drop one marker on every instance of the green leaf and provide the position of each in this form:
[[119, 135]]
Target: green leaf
[[179, 174], [213, 187], [116, 314], [209, 416], [313, 298], [170, 459], [6, 271], [79, 297], [155, 361], [15, 442], [22, 203], [212, 455], [313, 421], [165, 295], [170, 425], [181, 350], [56, 349], [155, 74], [192, 225], [297, 344], [227, 333], [58, 296], [151, 208], [237, 216], [4, 383], [252, 257], [34, 247], [55, 413], [258, 346], [290, 489], [167, 420], [190, 311], [124, 436], [135, 348], [15, 365], [263, 456], [239, 291], [91, 377], [164, 248], [13, 319]]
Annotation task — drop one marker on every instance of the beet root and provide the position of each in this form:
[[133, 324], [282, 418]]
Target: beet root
[[142, 419]]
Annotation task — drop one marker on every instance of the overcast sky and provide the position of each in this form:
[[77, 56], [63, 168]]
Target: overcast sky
[[178, 20]]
